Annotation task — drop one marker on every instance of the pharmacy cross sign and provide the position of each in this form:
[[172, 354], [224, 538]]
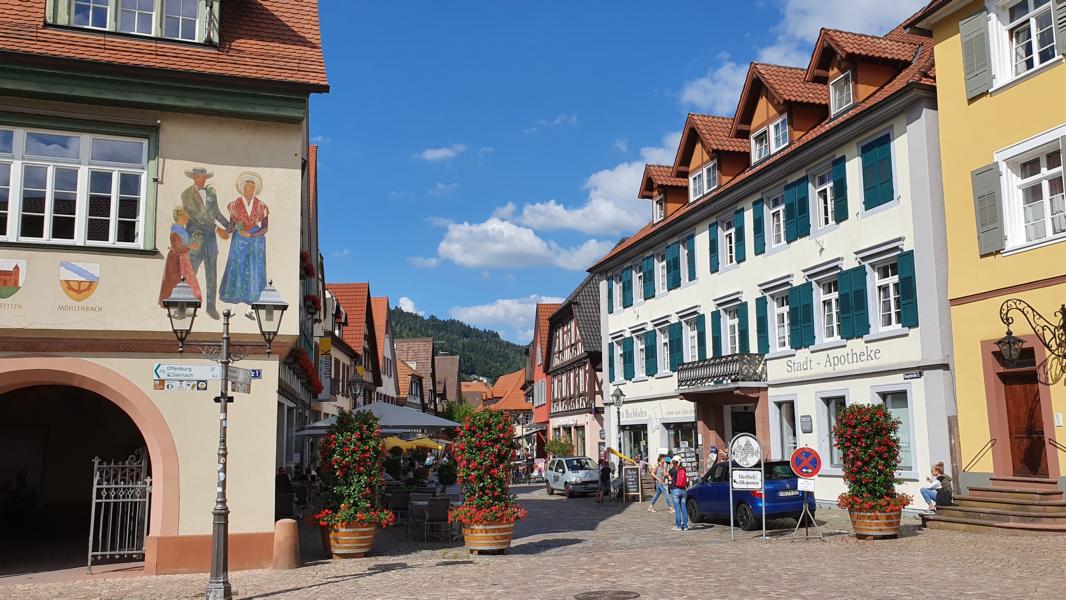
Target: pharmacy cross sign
[[806, 462]]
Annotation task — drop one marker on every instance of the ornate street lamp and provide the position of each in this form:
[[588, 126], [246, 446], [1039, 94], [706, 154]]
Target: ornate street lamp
[[619, 397], [1051, 336], [1010, 347], [181, 308]]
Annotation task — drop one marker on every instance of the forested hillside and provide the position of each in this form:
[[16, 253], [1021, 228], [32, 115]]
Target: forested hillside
[[482, 352]]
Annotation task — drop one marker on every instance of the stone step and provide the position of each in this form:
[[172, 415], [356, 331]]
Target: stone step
[[1026, 506], [1039, 483], [1018, 493], [981, 526], [1003, 515]]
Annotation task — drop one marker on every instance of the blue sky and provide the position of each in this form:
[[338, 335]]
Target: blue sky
[[476, 157]]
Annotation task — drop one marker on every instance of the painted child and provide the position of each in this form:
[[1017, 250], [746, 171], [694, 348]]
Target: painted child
[[178, 263]]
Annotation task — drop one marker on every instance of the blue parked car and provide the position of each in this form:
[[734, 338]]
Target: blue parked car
[[709, 498]]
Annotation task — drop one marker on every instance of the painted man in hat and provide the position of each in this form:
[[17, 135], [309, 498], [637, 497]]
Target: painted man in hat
[[201, 204]]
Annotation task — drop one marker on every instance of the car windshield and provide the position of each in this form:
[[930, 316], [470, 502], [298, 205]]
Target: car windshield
[[580, 464]]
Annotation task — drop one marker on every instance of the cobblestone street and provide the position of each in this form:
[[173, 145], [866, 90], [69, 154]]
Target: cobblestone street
[[568, 547]]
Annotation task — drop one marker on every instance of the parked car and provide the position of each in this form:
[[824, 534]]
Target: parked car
[[572, 475], [709, 498]]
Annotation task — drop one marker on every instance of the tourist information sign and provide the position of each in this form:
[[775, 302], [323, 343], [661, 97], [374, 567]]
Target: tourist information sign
[[745, 453], [166, 371]]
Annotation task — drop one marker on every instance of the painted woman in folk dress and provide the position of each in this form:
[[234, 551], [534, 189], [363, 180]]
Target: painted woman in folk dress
[[245, 275]]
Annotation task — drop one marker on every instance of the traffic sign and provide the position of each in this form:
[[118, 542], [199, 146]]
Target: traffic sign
[[186, 372], [747, 479], [745, 451], [806, 463], [805, 485]]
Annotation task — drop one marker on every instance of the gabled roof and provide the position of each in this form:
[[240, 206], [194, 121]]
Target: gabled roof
[[404, 373], [511, 395], [544, 312], [846, 44], [584, 301], [712, 132], [659, 176], [263, 40], [784, 85], [928, 15], [475, 390], [354, 298], [379, 308], [418, 352], [447, 367]]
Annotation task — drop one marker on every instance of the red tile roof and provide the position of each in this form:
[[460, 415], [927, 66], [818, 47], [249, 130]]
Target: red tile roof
[[714, 133], [312, 181], [544, 312], [920, 71], [511, 395], [790, 84], [846, 43], [262, 40], [419, 353], [354, 298], [661, 176], [404, 372], [379, 308]]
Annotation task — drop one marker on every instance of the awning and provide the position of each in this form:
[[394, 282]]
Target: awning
[[392, 418]]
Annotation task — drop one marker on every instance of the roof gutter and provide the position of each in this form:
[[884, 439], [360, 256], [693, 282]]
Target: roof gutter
[[871, 118]]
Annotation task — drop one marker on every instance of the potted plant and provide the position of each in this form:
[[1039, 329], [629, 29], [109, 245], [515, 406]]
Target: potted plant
[[351, 470], [483, 457], [868, 439]]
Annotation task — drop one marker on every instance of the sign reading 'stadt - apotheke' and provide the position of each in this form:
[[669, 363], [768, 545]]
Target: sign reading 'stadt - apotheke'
[[849, 358]]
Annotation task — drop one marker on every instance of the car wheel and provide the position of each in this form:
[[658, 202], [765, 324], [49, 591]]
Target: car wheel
[[745, 518], [548, 488], [694, 513], [567, 491]]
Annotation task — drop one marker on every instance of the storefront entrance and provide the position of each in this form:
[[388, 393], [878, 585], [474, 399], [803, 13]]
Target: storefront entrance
[[1025, 423], [635, 441], [741, 419]]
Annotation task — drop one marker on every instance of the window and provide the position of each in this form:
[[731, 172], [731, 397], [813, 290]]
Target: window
[[779, 134], [664, 349], [888, 295], [781, 322], [92, 13], [840, 94], [729, 242], [786, 428], [760, 145], [732, 330], [686, 259], [691, 340], [136, 16], [661, 261], [639, 274], [896, 405], [1032, 34], [1040, 191], [638, 341], [79, 189], [695, 185], [777, 220], [832, 407], [618, 292], [710, 175], [830, 310], [180, 19], [823, 194], [660, 209], [619, 368]]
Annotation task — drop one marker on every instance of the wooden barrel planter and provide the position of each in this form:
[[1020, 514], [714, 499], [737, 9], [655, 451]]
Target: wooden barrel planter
[[351, 541], [488, 537], [875, 525], [324, 531]]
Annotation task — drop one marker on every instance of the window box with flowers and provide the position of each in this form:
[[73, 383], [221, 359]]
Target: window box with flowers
[[868, 439], [307, 266], [313, 303], [483, 456]]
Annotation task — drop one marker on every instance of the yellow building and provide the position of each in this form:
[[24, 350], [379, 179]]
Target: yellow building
[[1000, 78]]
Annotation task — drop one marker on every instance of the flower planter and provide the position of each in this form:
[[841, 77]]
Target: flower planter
[[488, 537], [350, 540], [324, 531], [875, 525]]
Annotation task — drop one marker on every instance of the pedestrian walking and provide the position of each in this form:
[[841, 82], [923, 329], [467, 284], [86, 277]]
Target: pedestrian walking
[[605, 481], [658, 473], [678, 485]]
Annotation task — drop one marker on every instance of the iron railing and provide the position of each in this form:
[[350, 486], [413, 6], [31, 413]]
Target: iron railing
[[980, 454], [118, 524], [732, 368]]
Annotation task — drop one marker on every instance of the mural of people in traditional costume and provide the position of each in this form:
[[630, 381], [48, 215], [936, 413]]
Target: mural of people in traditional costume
[[205, 219], [245, 275], [179, 261]]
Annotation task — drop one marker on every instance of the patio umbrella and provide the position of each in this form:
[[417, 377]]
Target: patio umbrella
[[393, 418], [395, 442], [424, 442]]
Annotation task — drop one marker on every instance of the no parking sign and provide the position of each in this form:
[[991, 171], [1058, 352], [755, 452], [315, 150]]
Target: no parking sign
[[806, 462]]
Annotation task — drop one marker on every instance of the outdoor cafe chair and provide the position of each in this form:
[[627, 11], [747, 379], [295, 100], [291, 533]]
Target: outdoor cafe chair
[[436, 517], [399, 505], [417, 505]]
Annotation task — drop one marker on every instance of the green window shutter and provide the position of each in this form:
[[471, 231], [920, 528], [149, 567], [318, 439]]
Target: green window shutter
[[795, 332], [840, 190], [648, 269], [673, 266], [712, 244], [677, 349], [610, 295], [742, 328], [627, 359], [738, 235], [977, 54], [860, 316], [690, 249], [790, 213], [627, 287], [762, 333], [988, 209], [758, 226], [1058, 12], [610, 361], [877, 172], [807, 313], [847, 329], [908, 290], [803, 208], [716, 333], [701, 336], [651, 361]]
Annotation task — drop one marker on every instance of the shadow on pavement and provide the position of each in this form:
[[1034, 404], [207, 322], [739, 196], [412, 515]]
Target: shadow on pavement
[[543, 545]]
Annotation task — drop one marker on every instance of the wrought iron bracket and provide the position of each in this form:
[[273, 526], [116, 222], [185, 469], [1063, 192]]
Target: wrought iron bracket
[[1053, 337], [238, 352]]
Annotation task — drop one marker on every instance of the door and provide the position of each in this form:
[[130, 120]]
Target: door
[[1025, 423], [742, 419]]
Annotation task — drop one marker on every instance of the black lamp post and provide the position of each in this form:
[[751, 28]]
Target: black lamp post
[[619, 397], [181, 308], [1052, 336]]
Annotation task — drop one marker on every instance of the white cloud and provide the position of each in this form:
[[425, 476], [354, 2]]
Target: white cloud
[[342, 253], [611, 205], [441, 222], [557, 121], [497, 243], [423, 262], [512, 317], [442, 189], [621, 145], [408, 305], [795, 33], [320, 140], [443, 153], [482, 151]]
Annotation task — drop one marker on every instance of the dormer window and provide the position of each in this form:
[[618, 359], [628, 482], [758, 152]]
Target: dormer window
[[660, 209], [695, 185], [840, 93], [778, 134], [186, 20], [92, 13], [710, 176], [768, 140], [760, 145]]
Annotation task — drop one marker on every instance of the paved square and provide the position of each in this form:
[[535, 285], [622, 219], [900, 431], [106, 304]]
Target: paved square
[[569, 547]]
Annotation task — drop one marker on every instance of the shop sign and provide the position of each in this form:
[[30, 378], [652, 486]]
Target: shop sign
[[747, 479], [833, 361]]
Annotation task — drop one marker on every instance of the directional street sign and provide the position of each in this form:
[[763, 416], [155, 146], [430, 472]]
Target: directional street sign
[[747, 479], [240, 388], [186, 372], [806, 462], [239, 375]]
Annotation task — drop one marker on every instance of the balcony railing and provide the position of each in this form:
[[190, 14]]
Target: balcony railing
[[718, 370]]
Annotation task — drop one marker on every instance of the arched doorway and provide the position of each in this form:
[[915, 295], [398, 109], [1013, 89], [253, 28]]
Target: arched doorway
[[49, 436]]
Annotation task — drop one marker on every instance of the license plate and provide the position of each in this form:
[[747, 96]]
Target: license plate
[[788, 493]]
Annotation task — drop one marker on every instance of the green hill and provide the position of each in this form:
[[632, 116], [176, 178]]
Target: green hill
[[482, 352]]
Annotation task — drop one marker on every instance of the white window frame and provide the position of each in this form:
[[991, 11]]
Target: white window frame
[[825, 430], [661, 271], [776, 147], [891, 283], [692, 341], [619, 363], [1002, 45], [659, 209], [639, 355], [17, 161], [638, 282], [877, 396], [618, 292], [756, 147], [685, 257], [1014, 200], [822, 182], [779, 319], [833, 300], [728, 237], [94, 5], [776, 218], [710, 174], [197, 25], [663, 338], [777, 441], [842, 79], [731, 329], [136, 13], [696, 187]]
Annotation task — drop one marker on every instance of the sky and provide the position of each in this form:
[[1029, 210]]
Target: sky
[[476, 157]]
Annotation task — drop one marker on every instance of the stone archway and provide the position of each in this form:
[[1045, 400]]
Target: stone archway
[[26, 371]]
